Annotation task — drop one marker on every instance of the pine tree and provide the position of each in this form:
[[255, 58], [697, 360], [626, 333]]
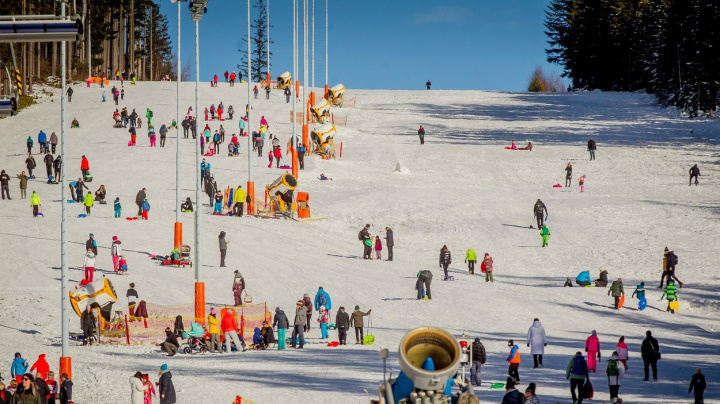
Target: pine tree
[[259, 65]]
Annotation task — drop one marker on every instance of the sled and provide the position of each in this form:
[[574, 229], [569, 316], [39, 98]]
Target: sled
[[370, 338], [557, 186], [71, 201], [131, 218], [497, 386], [587, 391], [674, 305], [333, 344], [39, 214], [642, 304], [621, 302], [82, 215]]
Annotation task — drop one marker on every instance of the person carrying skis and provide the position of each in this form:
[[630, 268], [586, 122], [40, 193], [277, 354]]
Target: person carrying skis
[[694, 172], [445, 260], [538, 212], [471, 259]]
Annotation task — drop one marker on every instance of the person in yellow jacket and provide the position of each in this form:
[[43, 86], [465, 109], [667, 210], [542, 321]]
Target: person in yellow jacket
[[471, 259], [239, 199], [89, 202], [214, 330], [35, 203]]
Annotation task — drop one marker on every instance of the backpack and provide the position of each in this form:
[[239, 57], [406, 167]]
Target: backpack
[[579, 366], [612, 369], [322, 299], [360, 236]]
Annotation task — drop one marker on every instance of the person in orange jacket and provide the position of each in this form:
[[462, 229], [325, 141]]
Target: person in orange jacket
[[41, 367], [514, 360]]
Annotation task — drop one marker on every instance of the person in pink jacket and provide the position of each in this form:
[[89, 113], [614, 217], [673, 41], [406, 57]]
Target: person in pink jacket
[[592, 347], [623, 352], [378, 248]]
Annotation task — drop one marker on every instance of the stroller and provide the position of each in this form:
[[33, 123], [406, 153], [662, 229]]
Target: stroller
[[197, 339]]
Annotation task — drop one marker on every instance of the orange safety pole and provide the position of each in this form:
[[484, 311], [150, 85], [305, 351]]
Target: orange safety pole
[[251, 194], [312, 98], [305, 135], [66, 366], [200, 302], [178, 235], [327, 91], [295, 163], [297, 88], [268, 78]]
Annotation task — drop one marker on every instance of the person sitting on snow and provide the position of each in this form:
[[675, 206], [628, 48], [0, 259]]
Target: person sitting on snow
[[75, 123], [583, 278], [187, 206], [100, 195]]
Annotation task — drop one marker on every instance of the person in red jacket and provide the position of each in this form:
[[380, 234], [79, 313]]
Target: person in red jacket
[[228, 325], [84, 166], [41, 367]]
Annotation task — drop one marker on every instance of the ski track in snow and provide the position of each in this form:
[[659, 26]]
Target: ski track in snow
[[461, 189]]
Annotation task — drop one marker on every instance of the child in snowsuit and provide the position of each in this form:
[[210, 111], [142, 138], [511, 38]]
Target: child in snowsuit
[[118, 208], [639, 291], [378, 248], [270, 158], [592, 347], [581, 181], [545, 233], [698, 384], [671, 293], [89, 202], [89, 265], [122, 265], [218, 203], [145, 209], [323, 320], [487, 267]]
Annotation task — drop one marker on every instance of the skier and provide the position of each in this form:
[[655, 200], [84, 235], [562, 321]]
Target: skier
[[356, 320], [591, 146], [568, 175], [424, 279], [421, 135], [487, 267], [592, 347], [545, 233], [478, 360], [698, 384], [577, 372], [617, 290], [615, 372], [445, 260], [694, 172], [538, 212], [650, 352], [513, 360], [342, 322], [537, 341], [671, 293], [471, 259]]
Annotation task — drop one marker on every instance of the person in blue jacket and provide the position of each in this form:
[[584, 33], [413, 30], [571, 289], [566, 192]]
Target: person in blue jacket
[[42, 140], [583, 278], [258, 339], [322, 298], [19, 367]]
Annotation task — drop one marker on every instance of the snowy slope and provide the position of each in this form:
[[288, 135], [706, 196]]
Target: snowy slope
[[461, 189]]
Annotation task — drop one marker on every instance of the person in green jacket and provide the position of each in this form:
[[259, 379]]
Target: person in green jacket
[[89, 202], [471, 259], [239, 199], [577, 372], [671, 294], [149, 116], [617, 290], [23, 185], [35, 203], [545, 233]]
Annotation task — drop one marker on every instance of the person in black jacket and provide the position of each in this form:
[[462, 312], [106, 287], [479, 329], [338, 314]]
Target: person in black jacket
[[48, 159], [445, 260], [342, 322], [57, 166], [69, 94], [282, 323], [87, 323], [91, 244], [538, 212], [591, 148], [424, 279], [478, 360], [650, 351], [65, 389], [139, 199], [367, 247], [421, 135], [171, 344], [42, 388], [671, 261], [568, 175], [694, 172], [166, 389], [389, 242], [698, 384]]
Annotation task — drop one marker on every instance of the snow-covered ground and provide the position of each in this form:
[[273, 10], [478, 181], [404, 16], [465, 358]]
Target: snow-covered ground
[[461, 189]]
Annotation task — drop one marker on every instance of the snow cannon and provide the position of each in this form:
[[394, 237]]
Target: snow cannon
[[429, 359], [323, 138], [279, 194], [335, 95], [321, 111], [99, 294], [284, 80]]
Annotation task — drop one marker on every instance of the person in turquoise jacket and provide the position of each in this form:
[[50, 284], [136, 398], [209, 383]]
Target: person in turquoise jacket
[[19, 367], [471, 259], [545, 233], [118, 207], [639, 291], [322, 298], [583, 278]]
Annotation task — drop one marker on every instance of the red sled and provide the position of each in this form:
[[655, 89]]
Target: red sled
[[333, 344], [557, 186], [131, 218]]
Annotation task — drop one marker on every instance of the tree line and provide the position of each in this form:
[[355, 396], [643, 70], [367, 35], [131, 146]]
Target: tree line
[[126, 35], [667, 47]]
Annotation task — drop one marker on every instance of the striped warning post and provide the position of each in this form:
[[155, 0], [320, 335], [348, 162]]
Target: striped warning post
[[18, 77]]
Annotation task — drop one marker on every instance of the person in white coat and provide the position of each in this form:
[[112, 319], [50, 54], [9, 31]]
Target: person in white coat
[[537, 342], [137, 389], [615, 372]]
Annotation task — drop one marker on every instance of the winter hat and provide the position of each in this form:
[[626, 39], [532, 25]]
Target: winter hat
[[114, 238], [164, 367], [511, 343], [531, 388], [91, 235], [367, 226], [536, 319], [357, 307], [510, 384], [477, 340], [306, 295], [594, 332], [277, 309], [299, 302], [212, 311]]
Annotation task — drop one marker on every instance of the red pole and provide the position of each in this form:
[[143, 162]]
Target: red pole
[[127, 331], [340, 149]]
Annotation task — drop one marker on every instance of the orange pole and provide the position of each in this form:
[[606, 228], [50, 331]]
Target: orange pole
[[200, 302], [251, 194], [268, 78], [297, 88], [178, 235], [312, 98], [305, 135], [66, 366], [295, 163], [327, 91]]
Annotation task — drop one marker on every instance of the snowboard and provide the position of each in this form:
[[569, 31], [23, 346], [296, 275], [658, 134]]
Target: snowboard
[[621, 302], [642, 304]]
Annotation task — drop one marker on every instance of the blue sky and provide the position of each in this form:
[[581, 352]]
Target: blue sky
[[397, 44]]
